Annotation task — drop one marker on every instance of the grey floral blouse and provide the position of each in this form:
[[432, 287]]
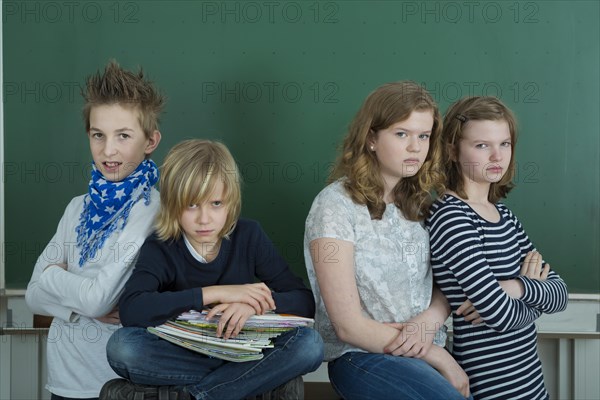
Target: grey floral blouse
[[391, 262]]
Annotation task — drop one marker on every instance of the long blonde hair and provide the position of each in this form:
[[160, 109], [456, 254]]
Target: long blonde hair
[[387, 105], [188, 176]]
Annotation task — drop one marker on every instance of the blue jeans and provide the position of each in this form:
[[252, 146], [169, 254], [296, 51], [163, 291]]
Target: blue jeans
[[144, 358], [358, 375]]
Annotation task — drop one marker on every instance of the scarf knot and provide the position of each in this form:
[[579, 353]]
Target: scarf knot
[[107, 205]]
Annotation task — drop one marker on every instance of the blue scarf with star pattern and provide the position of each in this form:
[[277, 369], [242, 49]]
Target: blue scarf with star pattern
[[107, 205]]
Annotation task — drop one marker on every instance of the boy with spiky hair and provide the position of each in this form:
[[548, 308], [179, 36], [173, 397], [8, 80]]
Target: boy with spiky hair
[[100, 233]]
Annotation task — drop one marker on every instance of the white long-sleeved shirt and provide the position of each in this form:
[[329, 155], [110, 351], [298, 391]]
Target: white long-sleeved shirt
[[76, 351]]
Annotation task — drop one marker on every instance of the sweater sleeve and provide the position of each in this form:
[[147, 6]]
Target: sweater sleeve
[[548, 296], [95, 296], [150, 297], [39, 300], [456, 246], [290, 294]]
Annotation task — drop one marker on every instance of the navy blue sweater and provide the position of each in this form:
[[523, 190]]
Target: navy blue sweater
[[168, 280]]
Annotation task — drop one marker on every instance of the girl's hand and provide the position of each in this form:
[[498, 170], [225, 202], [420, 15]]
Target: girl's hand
[[446, 365], [256, 295], [468, 311], [111, 318], [233, 318], [532, 267], [456, 376], [414, 339]]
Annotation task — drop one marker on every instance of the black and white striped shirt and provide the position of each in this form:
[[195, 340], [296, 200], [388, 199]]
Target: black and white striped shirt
[[469, 255]]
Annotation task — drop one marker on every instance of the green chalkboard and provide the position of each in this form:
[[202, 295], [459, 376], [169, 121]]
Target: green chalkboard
[[279, 81]]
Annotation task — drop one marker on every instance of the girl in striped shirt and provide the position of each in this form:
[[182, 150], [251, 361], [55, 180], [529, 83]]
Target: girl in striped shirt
[[496, 282]]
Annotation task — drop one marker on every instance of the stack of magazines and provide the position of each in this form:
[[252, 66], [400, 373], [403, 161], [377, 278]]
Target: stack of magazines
[[193, 331]]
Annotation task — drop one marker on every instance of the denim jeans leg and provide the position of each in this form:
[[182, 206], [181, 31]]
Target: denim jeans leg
[[144, 358], [295, 353], [364, 376]]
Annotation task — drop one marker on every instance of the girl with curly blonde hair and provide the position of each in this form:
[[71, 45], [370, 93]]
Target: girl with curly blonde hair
[[367, 255]]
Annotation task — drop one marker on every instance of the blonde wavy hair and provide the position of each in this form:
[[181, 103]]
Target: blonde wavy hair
[[385, 106], [458, 116], [188, 176]]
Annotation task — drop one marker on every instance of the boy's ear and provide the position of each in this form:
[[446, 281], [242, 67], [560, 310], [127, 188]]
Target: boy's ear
[[153, 142]]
